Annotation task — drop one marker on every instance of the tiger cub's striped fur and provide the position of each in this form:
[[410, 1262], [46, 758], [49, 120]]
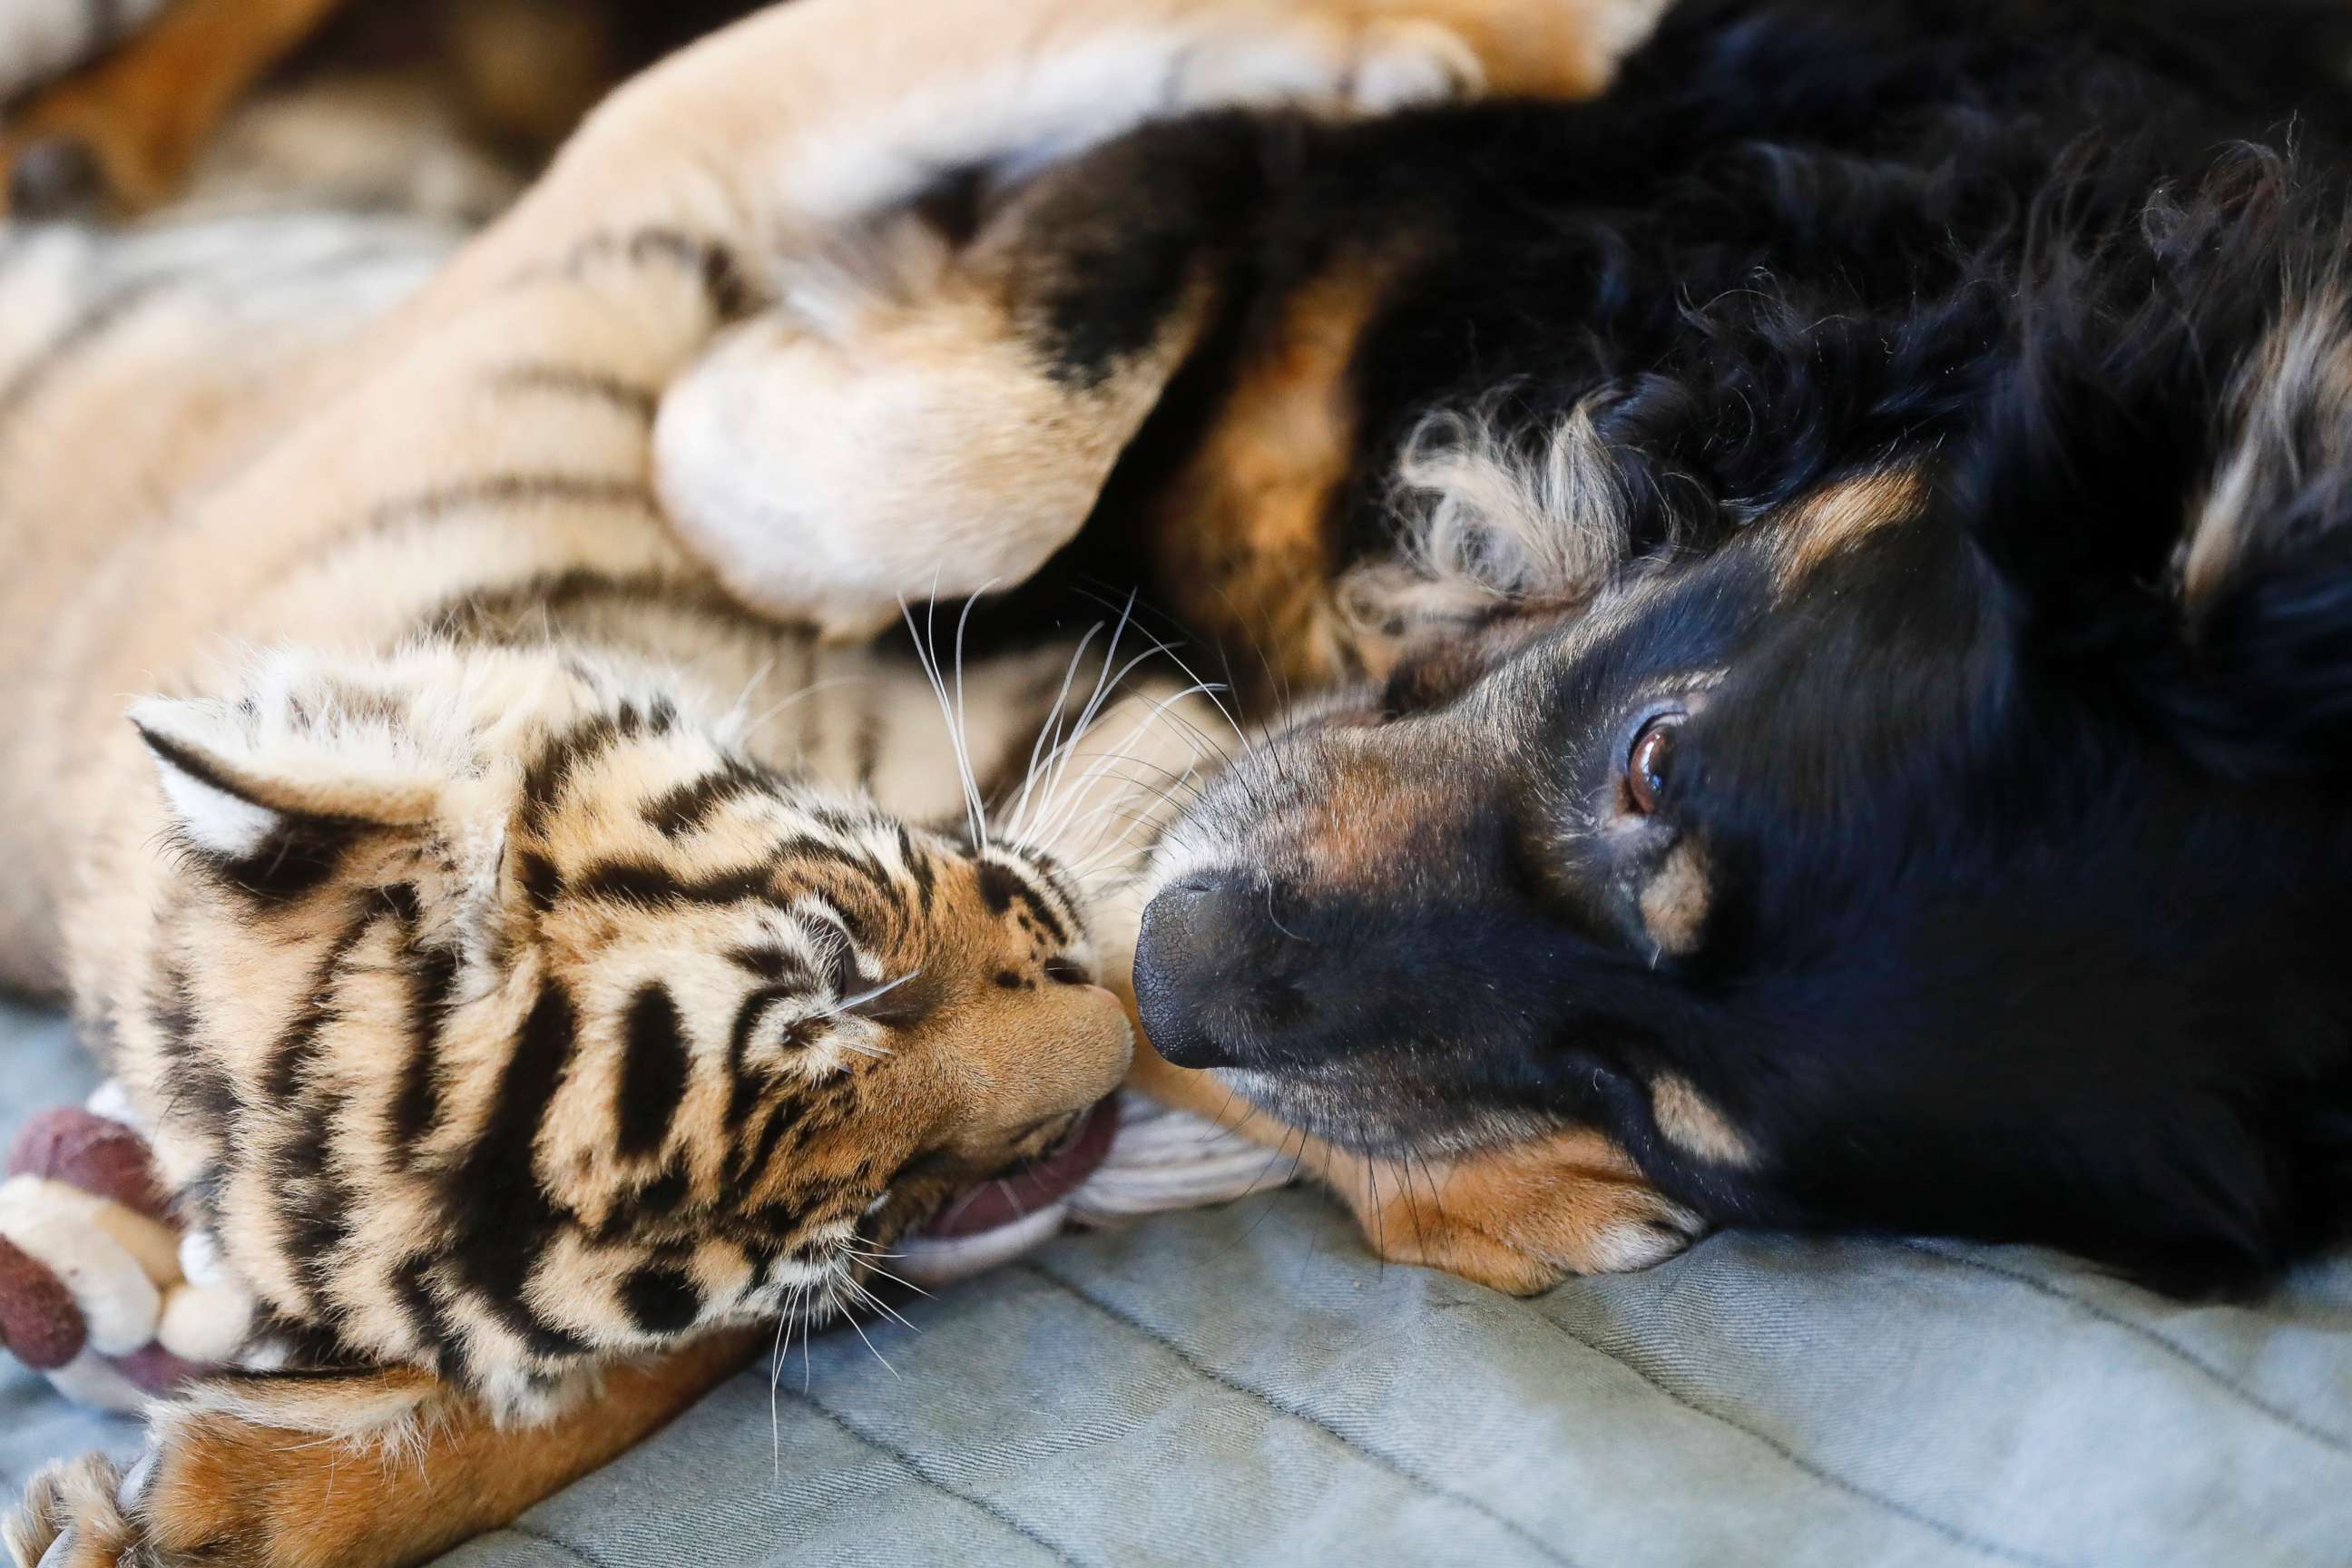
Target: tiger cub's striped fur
[[510, 1008], [515, 964], [509, 988]]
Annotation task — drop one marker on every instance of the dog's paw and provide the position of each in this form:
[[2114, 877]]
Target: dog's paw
[[1520, 1218]]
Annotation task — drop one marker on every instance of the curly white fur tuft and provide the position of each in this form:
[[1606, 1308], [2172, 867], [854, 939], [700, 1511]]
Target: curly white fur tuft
[[1490, 515]]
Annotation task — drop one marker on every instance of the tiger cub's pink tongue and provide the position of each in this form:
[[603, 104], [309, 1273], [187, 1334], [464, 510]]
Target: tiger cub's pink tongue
[[1024, 1192]]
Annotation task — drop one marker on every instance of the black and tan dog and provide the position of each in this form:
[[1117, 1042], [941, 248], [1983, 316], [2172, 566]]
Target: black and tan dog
[[1860, 705], [1826, 583]]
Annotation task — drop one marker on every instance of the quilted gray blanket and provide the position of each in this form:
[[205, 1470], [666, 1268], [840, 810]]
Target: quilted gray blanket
[[1247, 1385]]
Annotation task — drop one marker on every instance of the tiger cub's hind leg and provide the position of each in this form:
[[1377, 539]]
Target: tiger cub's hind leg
[[372, 1469]]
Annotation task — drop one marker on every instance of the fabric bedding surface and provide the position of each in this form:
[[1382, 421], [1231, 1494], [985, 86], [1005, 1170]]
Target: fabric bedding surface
[[1247, 1384]]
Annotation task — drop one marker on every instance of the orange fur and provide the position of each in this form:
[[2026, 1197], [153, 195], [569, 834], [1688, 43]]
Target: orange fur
[[145, 111], [1519, 1217], [1245, 526]]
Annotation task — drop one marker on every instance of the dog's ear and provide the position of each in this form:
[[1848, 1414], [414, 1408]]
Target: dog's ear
[[2261, 680], [2162, 482]]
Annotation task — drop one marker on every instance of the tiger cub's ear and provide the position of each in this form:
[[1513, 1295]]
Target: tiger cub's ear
[[272, 791]]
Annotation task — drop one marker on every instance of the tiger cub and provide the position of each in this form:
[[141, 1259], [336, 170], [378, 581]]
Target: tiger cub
[[463, 906], [511, 957]]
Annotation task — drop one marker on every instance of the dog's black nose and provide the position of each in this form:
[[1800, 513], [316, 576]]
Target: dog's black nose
[[1189, 958]]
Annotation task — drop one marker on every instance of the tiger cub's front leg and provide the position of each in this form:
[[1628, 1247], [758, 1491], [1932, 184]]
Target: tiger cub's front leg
[[372, 1469]]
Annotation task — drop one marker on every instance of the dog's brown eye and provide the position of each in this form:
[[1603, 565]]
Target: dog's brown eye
[[1647, 765]]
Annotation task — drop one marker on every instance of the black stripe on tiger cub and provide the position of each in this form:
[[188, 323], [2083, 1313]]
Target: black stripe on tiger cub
[[297, 860], [648, 885], [681, 811], [654, 1071], [192, 1079], [549, 772], [495, 492], [918, 866], [767, 963], [504, 1217], [725, 286], [652, 1203], [544, 780], [197, 1094], [524, 610], [1000, 888], [661, 1300], [417, 1105], [315, 1203], [429, 1329], [543, 883], [781, 1119], [805, 849], [553, 379], [724, 282], [298, 1043]]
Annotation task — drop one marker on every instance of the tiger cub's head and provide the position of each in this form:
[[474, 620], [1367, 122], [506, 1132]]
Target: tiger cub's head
[[504, 1012]]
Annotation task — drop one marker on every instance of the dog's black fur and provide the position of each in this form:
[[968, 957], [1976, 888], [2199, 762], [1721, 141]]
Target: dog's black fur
[[1999, 875]]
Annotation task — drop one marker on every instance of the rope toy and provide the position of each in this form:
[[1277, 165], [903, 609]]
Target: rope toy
[[99, 1290], [102, 1292]]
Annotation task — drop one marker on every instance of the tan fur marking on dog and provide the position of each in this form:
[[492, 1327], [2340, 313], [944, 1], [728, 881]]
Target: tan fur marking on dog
[[1374, 816], [1246, 525], [2291, 414], [1835, 520], [1519, 1218], [1697, 1125], [1675, 903]]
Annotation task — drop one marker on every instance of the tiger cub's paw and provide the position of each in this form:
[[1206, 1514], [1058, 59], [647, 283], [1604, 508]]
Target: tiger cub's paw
[[71, 1517], [292, 1472], [88, 1513], [1334, 56]]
